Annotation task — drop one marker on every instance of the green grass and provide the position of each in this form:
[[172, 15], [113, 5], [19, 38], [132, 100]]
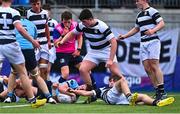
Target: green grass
[[96, 107]]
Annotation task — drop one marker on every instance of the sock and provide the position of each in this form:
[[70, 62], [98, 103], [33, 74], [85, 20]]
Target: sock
[[128, 96], [61, 80], [93, 82], [10, 94], [32, 100], [155, 102], [160, 88], [156, 91], [47, 95], [34, 83], [49, 85]]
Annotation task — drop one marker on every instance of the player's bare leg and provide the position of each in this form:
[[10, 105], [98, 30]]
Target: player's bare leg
[[26, 85], [157, 73], [43, 66], [147, 67], [42, 85], [85, 69], [64, 73]]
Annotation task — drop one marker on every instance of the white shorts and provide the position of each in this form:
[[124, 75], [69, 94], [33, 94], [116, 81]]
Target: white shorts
[[12, 52], [52, 55], [98, 56], [150, 49], [43, 52], [115, 97]]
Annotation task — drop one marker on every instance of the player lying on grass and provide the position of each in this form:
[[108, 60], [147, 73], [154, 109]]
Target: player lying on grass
[[113, 95], [18, 90], [60, 92], [62, 95]]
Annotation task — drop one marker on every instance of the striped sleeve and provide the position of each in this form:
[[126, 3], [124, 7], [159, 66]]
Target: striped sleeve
[[98, 93], [136, 23], [78, 29], [106, 31], [16, 16], [155, 15]]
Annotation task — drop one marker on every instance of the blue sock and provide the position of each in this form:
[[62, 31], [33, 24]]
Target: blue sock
[[47, 95], [49, 85], [10, 94]]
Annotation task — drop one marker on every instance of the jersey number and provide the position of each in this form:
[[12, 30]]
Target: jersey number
[[5, 21]]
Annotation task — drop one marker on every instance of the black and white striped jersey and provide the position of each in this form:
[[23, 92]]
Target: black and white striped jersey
[[102, 93], [40, 20], [98, 35], [8, 17], [147, 19], [52, 24]]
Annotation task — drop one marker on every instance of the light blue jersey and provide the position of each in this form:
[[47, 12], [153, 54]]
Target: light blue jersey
[[31, 29]]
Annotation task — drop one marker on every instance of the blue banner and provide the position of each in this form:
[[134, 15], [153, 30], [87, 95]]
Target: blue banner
[[5, 68]]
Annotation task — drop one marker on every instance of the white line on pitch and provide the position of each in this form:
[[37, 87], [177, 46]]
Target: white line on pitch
[[15, 106]]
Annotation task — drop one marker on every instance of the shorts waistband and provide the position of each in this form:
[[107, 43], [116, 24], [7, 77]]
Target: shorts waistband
[[149, 39], [43, 42], [6, 41]]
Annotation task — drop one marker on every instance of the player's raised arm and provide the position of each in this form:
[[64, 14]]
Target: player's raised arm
[[67, 37]]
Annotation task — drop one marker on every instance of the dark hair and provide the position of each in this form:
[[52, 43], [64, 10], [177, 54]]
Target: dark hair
[[114, 77], [7, 1], [85, 14], [46, 7], [66, 15], [34, 1], [22, 10]]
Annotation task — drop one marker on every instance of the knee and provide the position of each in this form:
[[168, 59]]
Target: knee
[[148, 69], [83, 70], [154, 68]]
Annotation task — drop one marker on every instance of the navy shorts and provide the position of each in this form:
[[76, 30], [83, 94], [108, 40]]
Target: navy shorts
[[66, 59], [30, 59]]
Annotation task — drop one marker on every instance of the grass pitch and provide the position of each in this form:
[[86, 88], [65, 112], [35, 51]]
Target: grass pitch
[[96, 107]]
